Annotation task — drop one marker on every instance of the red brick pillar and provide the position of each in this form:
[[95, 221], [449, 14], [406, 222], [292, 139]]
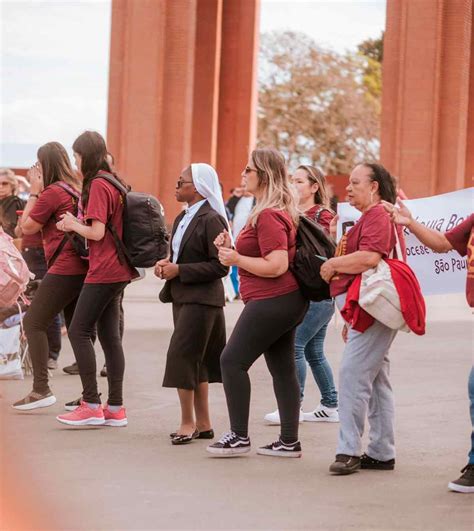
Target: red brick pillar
[[425, 103], [182, 89], [238, 88]]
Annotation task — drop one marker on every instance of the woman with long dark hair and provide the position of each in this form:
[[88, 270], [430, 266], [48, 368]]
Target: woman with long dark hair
[[55, 191], [98, 306]]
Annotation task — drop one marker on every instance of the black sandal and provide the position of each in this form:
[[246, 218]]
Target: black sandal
[[208, 434], [184, 439]]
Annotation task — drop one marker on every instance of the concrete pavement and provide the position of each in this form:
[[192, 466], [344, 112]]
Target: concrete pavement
[[54, 477]]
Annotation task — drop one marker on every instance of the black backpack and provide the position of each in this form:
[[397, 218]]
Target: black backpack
[[313, 248], [145, 238]]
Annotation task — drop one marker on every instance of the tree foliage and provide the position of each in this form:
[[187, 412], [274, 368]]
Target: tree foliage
[[314, 104]]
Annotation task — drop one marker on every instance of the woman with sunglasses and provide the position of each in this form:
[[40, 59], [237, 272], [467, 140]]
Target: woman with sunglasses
[[274, 306], [193, 277], [10, 203]]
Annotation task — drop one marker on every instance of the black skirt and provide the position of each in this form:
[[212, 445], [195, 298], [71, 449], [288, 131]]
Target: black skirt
[[196, 345]]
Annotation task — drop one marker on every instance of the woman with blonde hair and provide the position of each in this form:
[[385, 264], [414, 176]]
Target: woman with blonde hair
[[313, 198], [274, 306], [10, 203]]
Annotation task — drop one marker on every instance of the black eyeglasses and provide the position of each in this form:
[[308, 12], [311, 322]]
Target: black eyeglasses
[[180, 183], [249, 170]]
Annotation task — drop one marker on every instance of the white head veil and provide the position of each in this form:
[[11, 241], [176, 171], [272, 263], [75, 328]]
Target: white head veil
[[207, 184]]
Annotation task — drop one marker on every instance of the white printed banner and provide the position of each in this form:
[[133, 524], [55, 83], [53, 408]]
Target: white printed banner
[[436, 272]]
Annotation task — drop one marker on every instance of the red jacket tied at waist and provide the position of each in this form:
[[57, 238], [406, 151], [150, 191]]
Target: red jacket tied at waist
[[412, 302]]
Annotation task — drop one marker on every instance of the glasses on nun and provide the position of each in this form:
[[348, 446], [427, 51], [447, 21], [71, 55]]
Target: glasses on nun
[[180, 182]]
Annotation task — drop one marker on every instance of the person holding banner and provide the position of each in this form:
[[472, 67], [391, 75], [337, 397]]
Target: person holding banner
[[461, 239], [364, 385]]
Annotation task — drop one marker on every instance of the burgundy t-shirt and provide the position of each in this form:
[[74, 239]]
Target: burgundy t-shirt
[[274, 231], [462, 240], [52, 203], [105, 203], [324, 218], [375, 232], [32, 241]]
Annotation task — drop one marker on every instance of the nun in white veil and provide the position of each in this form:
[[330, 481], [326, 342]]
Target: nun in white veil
[[194, 286]]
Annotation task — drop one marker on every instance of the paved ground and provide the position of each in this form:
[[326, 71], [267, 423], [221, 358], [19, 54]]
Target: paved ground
[[55, 477]]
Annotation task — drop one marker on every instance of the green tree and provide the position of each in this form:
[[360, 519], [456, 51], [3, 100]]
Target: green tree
[[313, 104]]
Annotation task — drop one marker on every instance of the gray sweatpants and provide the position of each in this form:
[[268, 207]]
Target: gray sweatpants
[[364, 389]]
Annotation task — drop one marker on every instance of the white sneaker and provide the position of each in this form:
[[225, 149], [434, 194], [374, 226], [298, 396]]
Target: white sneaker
[[322, 414], [274, 418]]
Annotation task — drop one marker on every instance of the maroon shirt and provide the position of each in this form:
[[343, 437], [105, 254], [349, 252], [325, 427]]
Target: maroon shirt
[[375, 232], [52, 203], [462, 240], [323, 215], [105, 203], [274, 231], [32, 241]]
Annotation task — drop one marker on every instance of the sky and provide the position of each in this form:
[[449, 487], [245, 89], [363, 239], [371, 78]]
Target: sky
[[55, 54]]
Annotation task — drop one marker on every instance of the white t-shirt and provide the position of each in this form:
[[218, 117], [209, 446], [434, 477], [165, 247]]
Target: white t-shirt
[[241, 214]]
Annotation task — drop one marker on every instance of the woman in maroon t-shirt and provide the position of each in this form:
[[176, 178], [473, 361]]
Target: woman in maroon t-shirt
[[99, 302], [364, 385], [50, 179], [273, 308], [310, 185]]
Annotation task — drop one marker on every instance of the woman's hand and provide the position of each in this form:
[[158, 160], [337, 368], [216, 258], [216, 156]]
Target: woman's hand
[[166, 270], [67, 223], [333, 227], [228, 257], [400, 215], [223, 240], [36, 179], [328, 270]]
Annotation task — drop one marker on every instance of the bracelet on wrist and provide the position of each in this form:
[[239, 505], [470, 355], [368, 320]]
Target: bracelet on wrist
[[34, 195]]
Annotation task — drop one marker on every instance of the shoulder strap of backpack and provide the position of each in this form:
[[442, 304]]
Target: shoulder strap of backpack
[[115, 182], [319, 212], [122, 251]]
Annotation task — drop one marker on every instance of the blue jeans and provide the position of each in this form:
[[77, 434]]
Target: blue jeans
[[471, 398], [309, 347], [234, 276]]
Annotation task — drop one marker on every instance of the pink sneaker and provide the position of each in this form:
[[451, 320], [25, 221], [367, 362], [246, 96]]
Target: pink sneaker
[[83, 416], [117, 418]]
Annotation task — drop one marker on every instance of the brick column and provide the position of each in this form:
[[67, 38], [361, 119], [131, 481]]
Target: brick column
[[182, 89], [425, 103], [238, 88]]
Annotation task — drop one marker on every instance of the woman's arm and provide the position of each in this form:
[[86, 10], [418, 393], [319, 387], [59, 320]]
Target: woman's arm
[[69, 223], [271, 266], [29, 226], [352, 264], [430, 237]]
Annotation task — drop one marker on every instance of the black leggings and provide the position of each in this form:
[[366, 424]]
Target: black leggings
[[99, 306], [55, 293], [265, 326]]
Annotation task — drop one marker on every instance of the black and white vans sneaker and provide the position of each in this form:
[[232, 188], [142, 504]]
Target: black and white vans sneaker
[[281, 449], [230, 444]]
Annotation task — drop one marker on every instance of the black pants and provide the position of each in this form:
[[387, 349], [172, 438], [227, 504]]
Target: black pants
[[55, 293], [265, 326], [98, 307], [36, 262]]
